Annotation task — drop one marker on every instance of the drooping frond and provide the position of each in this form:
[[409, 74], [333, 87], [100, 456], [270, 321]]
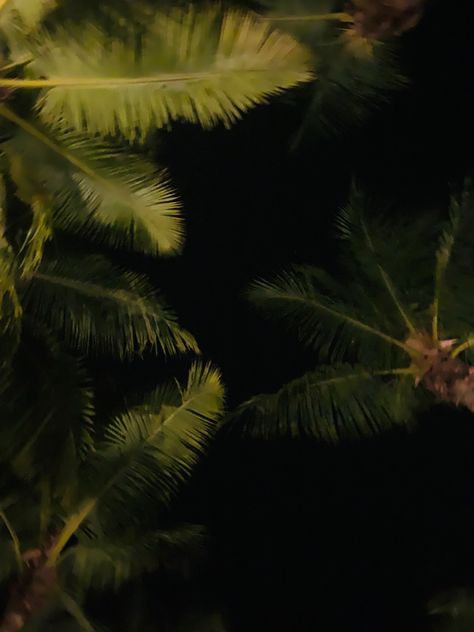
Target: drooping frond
[[203, 66], [47, 411], [332, 403], [97, 189], [325, 317], [100, 563], [353, 75], [95, 306], [149, 452]]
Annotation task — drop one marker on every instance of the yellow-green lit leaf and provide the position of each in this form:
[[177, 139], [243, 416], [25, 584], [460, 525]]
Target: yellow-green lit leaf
[[39, 233], [149, 452], [96, 189], [202, 66]]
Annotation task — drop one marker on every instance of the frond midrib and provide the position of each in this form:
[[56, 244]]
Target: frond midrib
[[353, 321], [107, 82], [96, 291]]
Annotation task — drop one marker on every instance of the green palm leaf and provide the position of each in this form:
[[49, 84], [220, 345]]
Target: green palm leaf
[[202, 66], [47, 411], [97, 189], [354, 76], [39, 233], [95, 306], [149, 452], [313, 304], [332, 403], [101, 563]]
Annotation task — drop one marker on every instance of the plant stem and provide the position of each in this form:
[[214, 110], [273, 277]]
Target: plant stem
[[317, 17], [460, 348]]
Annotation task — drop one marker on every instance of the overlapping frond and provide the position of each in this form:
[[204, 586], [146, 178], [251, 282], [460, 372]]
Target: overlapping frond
[[331, 403], [103, 563], [47, 411], [149, 452], [96, 189], [353, 75], [385, 259], [95, 306], [325, 317], [203, 66]]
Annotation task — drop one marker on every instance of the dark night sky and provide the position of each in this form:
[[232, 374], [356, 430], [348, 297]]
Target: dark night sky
[[308, 538]]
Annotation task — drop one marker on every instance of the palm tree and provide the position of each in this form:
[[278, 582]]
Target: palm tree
[[76, 102], [354, 46], [86, 512], [69, 89], [391, 331]]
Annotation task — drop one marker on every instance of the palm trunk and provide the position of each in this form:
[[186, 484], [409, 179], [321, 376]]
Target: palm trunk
[[451, 380], [30, 592]]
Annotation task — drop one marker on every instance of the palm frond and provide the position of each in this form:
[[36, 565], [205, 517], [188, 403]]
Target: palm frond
[[367, 249], [454, 298], [150, 451], [101, 563], [354, 76], [47, 411], [95, 306], [307, 19], [388, 260], [314, 305], [203, 66], [332, 403], [96, 189], [39, 233]]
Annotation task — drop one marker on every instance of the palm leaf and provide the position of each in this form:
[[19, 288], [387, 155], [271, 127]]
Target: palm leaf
[[47, 411], [100, 563], [353, 76], [149, 452], [202, 66], [39, 233], [368, 248], [313, 304], [94, 305], [27, 13], [387, 259], [454, 298], [96, 189], [332, 403]]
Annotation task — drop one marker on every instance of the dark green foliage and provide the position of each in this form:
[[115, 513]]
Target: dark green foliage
[[398, 296], [353, 75]]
